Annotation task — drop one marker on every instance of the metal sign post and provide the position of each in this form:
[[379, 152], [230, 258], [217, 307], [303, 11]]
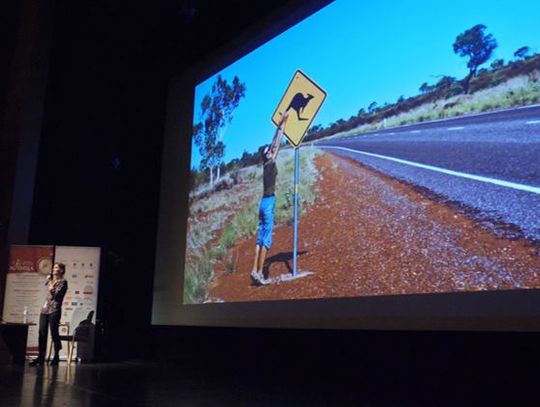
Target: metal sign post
[[302, 100], [296, 180]]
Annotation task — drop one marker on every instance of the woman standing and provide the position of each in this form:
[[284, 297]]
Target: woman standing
[[51, 313]]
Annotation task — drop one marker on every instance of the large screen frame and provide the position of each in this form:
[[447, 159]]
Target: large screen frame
[[513, 310]]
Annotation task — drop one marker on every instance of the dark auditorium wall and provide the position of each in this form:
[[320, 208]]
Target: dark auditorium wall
[[25, 43], [9, 21], [98, 169]]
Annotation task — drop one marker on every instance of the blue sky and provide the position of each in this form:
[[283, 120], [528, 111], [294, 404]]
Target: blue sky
[[364, 51]]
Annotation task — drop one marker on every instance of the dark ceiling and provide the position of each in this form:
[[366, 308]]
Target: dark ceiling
[[169, 34]]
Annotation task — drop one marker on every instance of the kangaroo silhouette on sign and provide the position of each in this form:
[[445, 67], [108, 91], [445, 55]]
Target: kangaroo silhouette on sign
[[298, 103]]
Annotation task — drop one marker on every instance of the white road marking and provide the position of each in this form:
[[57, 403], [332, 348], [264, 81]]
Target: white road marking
[[494, 181], [524, 107], [533, 122], [455, 128], [415, 131]]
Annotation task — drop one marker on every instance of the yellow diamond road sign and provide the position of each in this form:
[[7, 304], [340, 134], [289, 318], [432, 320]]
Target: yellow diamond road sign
[[302, 99]]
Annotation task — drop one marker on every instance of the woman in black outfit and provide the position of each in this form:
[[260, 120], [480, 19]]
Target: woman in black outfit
[[51, 313]]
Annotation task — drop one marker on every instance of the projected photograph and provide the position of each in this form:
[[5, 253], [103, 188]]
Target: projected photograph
[[419, 157]]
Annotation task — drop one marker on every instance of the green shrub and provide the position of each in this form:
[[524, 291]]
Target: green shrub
[[230, 263], [246, 221], [486, 107], [217, 252], [228, 237], [196, 280]]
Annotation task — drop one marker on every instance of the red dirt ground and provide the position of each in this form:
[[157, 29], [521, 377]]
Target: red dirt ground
[[368, 234]]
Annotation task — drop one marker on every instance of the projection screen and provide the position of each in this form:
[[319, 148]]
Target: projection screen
[[418, 194]]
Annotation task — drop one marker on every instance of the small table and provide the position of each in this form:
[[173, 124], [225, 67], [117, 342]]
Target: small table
[[13, 337]]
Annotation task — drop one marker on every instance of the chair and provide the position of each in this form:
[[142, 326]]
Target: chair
[[80, 333], [84, 334], [62, 327]]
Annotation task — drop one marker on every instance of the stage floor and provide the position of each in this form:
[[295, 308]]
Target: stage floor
[[275, 383], [163, 384]]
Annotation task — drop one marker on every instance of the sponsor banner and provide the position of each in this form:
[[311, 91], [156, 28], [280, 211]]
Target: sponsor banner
[[82, 273], [28, 268]]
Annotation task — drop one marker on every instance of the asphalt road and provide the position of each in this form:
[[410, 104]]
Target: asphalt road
[[488, 163]]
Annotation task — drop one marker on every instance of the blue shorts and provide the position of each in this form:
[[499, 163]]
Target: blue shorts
[[266, 221]]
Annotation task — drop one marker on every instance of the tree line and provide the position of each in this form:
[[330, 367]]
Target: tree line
[[477, 47], [474, 44]]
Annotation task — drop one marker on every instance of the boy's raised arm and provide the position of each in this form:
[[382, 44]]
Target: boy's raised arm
[[276, 140]]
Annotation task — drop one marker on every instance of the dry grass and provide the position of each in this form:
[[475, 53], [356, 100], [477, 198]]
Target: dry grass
[[234, 214]]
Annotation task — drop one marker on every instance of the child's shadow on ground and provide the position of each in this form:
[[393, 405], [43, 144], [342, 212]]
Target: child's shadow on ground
[[283, 257]]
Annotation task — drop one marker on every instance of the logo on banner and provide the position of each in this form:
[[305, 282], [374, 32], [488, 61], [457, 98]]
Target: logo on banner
[[44, 265], [22, 266]]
